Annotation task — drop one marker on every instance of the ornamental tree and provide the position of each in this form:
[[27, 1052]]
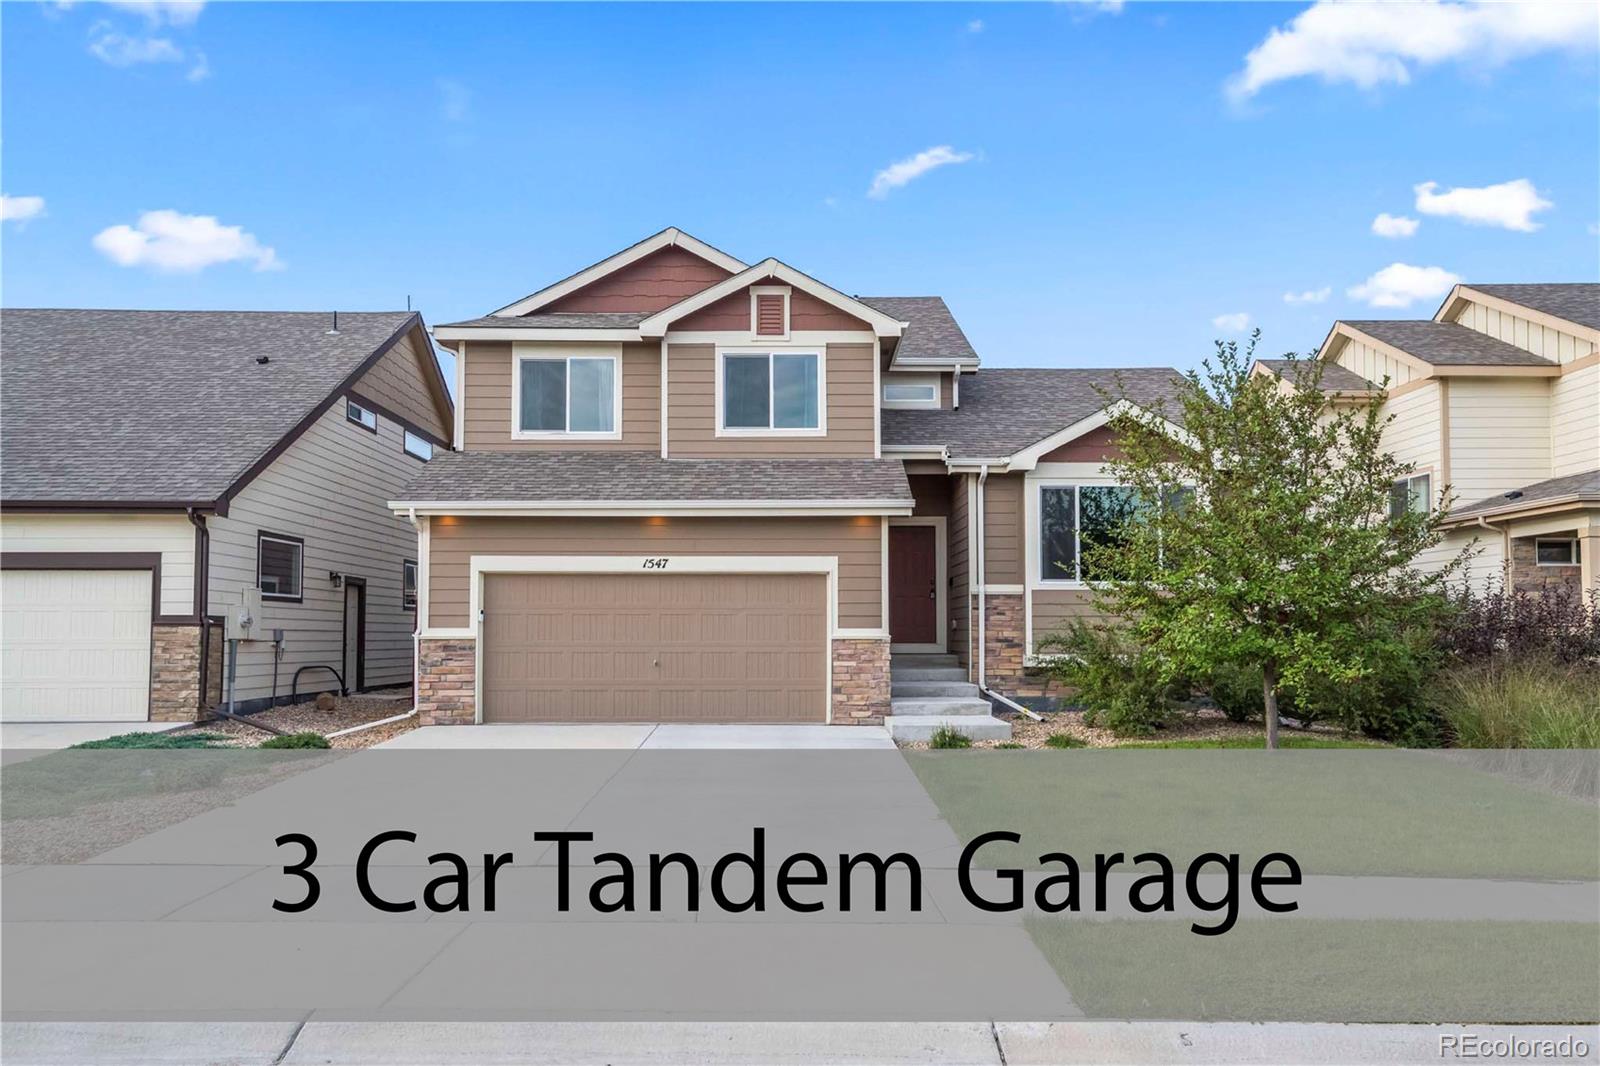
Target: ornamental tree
[[1262, 528]]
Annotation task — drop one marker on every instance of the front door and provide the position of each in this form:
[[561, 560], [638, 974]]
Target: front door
[[913, 585]]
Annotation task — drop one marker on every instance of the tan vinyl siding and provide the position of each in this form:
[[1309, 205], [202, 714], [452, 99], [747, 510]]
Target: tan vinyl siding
[[1414, 435], [403, 383], [331, 488], [487, 418], [1375, 365], [960, 570], [171, 535], [1485, 568], [1499, 435], [1054, 609], [1002, 530], [1575, 422], [654, 283], [856, 542], [692, 415], [1551, 343]]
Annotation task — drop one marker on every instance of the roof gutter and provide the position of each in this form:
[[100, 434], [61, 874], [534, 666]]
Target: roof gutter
[[647, 508], [1529, 508]]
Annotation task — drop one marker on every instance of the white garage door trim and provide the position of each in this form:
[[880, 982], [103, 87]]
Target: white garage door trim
[[126, 594], [826, 565]]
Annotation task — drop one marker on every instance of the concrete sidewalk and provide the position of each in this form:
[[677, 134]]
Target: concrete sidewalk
[[791, 1043], [628, 736], [48, 736]]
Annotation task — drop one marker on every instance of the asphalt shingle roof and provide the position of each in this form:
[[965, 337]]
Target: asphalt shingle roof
[[162, 406], [1003, 410], [1445, 343], [1585, 486], [933, 333], [1335, 378], [559, 320], [642, 476], [1577, 302]]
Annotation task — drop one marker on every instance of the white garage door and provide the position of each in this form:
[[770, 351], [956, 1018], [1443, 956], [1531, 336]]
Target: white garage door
[[75, 645]]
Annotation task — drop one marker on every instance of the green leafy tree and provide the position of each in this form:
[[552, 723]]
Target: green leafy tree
[[1259, 533]]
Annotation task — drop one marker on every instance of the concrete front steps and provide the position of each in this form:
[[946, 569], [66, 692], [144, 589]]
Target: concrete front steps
[[930, 692]]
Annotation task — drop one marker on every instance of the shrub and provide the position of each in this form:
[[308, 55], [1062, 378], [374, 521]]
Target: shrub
[[1520, 702], [1237, 692], [307, 739], [1063, 740], [177, 739], [947, 737], [1554, 624], [1009, 745], [1121, 686]]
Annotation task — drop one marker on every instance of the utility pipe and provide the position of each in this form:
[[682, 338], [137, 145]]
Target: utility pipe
[[416, 632], [1505, 545], [983, 579]]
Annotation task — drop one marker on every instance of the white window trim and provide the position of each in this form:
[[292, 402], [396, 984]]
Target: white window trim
[[1053, 475], [568, 352], [416, 590], [941, 583], [300, 554], [897, 378], [1415, 475], [1571, 542], [769, 290], [821, 352], [352, 406], [407, 436]]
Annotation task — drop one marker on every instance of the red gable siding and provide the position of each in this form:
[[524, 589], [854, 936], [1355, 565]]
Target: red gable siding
[[657, 281]]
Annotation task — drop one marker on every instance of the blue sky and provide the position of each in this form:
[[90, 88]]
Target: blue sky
[[1117, 180]]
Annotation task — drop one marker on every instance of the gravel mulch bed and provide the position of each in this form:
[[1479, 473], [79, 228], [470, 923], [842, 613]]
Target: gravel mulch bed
[[1205, 723], [304, 717]]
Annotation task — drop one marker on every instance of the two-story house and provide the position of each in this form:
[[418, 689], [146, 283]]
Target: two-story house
[[1495, 404], [686, 488], [155, 465]]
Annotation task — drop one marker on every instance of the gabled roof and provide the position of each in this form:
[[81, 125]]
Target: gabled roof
[[1573, 488], [657, 324], [1577, 302], [1445, 343], [670, 237], [645, 482], [1004, 411], [931, 334], [554, 320], [169, 408], [1335, 378]]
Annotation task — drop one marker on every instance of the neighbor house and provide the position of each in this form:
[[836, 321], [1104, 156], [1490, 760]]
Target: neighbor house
[[156, 464], [1495, 403], [688, 488]]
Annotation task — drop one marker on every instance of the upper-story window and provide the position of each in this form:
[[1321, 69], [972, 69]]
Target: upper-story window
[[770, 392], [418, 447], [1414, 494], [911, 390], [360, 415], [567, 396]]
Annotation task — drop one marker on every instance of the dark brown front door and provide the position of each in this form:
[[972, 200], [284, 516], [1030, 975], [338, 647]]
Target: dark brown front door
[[913, 575]]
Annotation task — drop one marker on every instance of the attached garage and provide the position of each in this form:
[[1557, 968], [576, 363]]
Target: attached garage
[[654, 647], [75, 645]]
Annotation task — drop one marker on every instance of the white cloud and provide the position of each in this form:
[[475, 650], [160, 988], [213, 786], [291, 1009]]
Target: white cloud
[[1237, 322], [906, 171], [1387, 225], [121, 50], [155, 12], [1509, 205], [1372, 44], [455, 100], [1309, 296], [20, 208], [201, 70], [1110, 7], [975, 26], [1401, 285], [173, 242], [1594, 229]]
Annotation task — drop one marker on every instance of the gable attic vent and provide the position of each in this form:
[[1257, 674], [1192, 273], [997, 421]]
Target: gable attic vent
[[769, 314]]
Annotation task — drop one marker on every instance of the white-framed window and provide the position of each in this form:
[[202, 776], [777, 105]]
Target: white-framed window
[[776, 392], [408, 584], [1410, 494], [418, 447], [911, 390], [1074, 518], [1556, 551], [280, 566], [567, 396], [362, 417]]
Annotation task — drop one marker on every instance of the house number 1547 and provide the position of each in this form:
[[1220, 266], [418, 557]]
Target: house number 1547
[[655, 564]]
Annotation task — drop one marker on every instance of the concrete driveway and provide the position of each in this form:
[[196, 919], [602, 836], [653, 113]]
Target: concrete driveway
[[644, 736], [48, 736]]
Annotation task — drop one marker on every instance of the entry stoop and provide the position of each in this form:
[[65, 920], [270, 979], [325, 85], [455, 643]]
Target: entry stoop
[[930, 692]]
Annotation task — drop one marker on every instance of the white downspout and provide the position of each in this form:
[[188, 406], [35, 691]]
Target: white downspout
[[416, 635], [1505, 550], [983, 645]]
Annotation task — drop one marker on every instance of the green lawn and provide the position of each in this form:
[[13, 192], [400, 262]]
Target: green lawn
[[1313, 970], [1374, 811], [178, 739]]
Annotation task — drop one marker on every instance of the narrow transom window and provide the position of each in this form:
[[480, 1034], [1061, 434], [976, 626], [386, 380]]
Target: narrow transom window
[[1562, 552], [360, 415], [1410, 494], [418, 447], [771, 390], [911, 390], [577, 394], [280, 565]]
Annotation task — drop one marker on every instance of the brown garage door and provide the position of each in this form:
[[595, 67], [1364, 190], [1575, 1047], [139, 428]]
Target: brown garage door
[[655, 648]]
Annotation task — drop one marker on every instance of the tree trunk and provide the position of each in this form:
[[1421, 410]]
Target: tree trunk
[[1269, 693]]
